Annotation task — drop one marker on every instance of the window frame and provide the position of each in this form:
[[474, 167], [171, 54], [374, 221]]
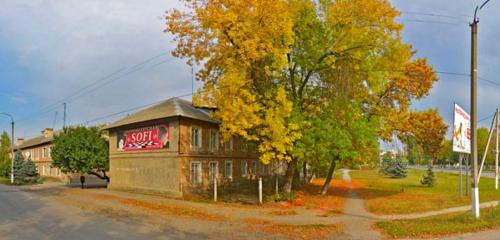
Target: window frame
[[230, 145], [199, 137], [210, 174], [228, 176], [211, 141], [244, 168], [199, 179]]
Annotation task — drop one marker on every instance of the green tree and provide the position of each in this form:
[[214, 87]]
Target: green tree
[[429, 179], [81, 150], [25, 171], [5, 160], [261, 69], [395, 168]]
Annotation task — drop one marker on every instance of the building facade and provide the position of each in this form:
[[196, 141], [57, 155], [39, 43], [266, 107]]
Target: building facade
[[173, 148], [39, 149]]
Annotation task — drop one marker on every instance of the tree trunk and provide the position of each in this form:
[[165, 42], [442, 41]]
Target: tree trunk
[[326, 185], [103, 176], [304, 171], [290, 171]]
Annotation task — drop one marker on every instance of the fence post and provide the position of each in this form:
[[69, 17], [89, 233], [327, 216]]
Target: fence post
[[260, 190], [215, 189]]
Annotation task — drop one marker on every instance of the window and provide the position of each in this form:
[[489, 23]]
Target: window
[[213, 171], [228, 145], [58, 172], [214, 140], [244, 145], [254, 167], [32, 154], [50, 151], [262, 169], [48, 171], [44, 152], [229, 170], [195, 137], [244, 168], [195, 173], [43, 170]]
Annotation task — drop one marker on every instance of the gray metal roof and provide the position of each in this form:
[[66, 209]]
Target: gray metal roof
[[173, 107]]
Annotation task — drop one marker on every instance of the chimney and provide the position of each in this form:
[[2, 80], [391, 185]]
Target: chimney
[[48, 133], [20, 141]]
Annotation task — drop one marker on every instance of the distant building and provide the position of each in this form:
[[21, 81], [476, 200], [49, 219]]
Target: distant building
[[39, 149], [173, 148]]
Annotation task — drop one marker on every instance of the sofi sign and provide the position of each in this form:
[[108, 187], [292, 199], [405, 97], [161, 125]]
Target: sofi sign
[[147, 138]]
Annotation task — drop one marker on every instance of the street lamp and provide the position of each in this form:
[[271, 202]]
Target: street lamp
[[11, 146]]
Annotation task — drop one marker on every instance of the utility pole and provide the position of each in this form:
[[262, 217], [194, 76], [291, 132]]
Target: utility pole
[[473, 75], [496, 151], [475, 190], [64, 116]]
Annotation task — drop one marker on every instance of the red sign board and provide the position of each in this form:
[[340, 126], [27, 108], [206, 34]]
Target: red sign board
[[147, 138]]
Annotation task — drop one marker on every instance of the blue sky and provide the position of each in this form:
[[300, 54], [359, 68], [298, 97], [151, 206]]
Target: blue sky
[[51, 49]]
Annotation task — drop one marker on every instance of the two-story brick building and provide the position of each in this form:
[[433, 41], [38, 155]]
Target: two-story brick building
[[172, 148], [39, 149]]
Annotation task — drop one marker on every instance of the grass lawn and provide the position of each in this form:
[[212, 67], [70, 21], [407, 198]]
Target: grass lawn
[[385, 195], [441, 224], [4, 180]]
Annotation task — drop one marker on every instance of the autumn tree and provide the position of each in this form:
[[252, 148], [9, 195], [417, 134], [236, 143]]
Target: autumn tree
[[267, 64], [429, 131]]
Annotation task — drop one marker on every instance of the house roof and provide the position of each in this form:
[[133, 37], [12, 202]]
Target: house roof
[[173, 107], [38, 140]]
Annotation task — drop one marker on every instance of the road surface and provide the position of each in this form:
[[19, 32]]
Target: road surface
[[24, 215]]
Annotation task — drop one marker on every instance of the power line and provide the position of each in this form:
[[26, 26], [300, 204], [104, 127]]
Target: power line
[[434, 22], [99, 83], [456, 17]]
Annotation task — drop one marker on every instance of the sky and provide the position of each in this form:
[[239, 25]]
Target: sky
[[50, 50]]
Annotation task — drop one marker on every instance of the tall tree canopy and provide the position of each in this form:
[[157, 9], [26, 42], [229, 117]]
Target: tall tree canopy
[[267, 65], [81, 150]]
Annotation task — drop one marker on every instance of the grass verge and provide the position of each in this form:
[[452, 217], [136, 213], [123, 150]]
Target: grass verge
[[440, 225], [4, 181], [385, 195]]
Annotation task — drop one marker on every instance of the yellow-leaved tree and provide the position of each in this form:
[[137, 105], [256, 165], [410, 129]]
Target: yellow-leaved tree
[[270, 67]]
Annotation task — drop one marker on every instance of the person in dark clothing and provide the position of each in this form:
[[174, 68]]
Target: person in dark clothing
[[82, 180]]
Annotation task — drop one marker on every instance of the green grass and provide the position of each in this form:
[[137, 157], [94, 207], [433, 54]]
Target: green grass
[[385, 195], [4, 180], [441, 224]]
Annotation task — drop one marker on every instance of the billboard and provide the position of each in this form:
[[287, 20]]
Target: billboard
[[461, 131], [146, 138]]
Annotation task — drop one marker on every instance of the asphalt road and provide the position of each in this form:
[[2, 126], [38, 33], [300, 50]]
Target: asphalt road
[[24, 215]]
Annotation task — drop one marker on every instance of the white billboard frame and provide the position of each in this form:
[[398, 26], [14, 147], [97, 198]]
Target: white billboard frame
[[461, 134]]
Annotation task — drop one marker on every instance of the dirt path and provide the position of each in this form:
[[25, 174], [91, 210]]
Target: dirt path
[[357, 221]]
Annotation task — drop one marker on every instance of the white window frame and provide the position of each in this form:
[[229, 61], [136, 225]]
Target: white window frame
[[58, 172], [214, 143], [228, 175], [200, 132], [244, 168], [199, 179], [44, 152], [262, 168], [50, 152], [228, 145], [210, 174]]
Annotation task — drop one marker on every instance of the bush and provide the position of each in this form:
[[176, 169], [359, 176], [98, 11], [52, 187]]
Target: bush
[[429, 179], [394, 168]]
